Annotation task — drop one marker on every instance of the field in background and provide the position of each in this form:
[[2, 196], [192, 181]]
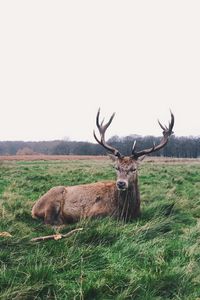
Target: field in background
[[48, 157], [92, 157], [154, 257]]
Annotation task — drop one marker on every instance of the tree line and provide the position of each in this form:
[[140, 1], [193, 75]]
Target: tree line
[[177, 147]]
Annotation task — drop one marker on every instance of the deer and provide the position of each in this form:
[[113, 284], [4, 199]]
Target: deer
[[119, 199]]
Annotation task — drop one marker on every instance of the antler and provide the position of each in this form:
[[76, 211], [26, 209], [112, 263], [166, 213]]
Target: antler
[[102, 129], [167, 131]]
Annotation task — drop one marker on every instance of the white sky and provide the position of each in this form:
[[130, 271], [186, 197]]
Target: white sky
[[61, 60]]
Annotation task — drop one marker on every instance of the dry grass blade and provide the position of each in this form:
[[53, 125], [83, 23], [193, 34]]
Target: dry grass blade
[[5, 234]]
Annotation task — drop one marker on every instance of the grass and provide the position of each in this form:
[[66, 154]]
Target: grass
[[154, 257]]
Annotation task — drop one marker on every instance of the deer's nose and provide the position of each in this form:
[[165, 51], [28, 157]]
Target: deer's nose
[[121, 185]]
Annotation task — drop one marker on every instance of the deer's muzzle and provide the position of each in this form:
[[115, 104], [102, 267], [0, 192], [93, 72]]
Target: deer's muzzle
[[122, 185]]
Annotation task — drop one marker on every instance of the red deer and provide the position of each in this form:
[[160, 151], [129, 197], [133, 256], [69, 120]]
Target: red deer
[[120, 198]]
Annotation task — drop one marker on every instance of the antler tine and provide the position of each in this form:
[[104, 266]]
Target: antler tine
[[102, 129], [167, 131], [134, 144], [163, 128], [101, 126], [171, 124], [102, 122], [97, 119]]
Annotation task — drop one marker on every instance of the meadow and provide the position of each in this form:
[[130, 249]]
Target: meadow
[[154, 257]]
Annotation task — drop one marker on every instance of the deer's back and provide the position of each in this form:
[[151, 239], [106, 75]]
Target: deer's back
[[75, 202], [89, 199]]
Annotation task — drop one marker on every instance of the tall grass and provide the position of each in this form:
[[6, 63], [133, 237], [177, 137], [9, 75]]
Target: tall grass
[[154, 257]]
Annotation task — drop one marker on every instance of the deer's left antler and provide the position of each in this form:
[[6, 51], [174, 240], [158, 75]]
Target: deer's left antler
[[167, 131]]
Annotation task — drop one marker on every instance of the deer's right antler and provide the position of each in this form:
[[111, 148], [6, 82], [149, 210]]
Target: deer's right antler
[[102, 129]]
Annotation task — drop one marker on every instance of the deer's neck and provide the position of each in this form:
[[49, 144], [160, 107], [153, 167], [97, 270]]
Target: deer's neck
[[129, 202]]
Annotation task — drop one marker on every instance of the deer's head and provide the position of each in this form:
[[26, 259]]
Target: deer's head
[[126, 166]]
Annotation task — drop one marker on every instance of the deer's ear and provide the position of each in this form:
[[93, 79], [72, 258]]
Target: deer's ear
[[112, 157]]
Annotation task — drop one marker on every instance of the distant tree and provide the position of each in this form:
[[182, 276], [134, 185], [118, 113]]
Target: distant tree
[[177, 146], [61, 149], [25, 151]]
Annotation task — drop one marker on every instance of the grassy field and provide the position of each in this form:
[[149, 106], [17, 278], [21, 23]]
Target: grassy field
[[154, 257]]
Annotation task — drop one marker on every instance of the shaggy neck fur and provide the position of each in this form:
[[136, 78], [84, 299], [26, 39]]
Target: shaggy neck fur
[[129, 203]]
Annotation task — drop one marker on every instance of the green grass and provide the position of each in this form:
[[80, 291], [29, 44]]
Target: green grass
[[154, 257]]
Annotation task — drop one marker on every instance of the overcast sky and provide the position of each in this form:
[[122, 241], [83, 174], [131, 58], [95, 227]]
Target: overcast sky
[[62, 60]]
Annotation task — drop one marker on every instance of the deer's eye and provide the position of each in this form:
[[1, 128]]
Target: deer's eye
[[132, 170]]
